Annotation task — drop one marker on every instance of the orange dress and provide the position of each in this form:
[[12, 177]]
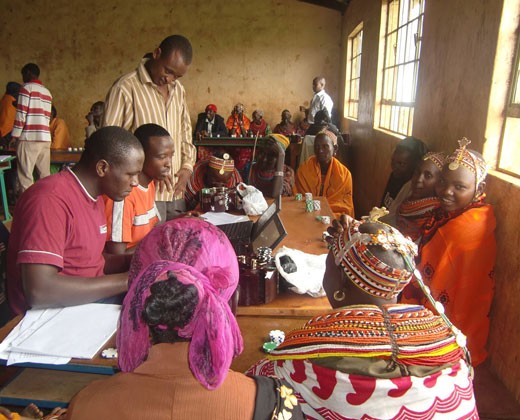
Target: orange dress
[[60, 134], [7, 114], [457, 264], [233, 119]]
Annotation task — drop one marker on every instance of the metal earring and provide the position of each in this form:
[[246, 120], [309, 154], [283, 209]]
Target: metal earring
[[339, 295]]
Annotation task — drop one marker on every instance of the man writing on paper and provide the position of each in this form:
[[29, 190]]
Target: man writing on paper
[[59, 228]]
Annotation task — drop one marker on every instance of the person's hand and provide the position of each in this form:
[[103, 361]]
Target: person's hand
[[338, 227], [57, 414], [90, 118], [275, 145], [182, 179], [165, 184], [6, 412], [13, 143]]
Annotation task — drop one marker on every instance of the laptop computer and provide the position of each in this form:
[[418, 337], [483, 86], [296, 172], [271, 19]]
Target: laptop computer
[[267, 231]]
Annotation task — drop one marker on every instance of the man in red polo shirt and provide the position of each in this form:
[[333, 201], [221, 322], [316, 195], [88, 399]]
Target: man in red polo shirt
[[59, 228]]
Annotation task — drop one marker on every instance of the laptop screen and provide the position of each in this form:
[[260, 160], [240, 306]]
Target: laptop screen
[[270, 234]]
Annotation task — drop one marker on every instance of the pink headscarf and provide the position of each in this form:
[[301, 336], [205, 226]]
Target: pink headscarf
[[198, 253]]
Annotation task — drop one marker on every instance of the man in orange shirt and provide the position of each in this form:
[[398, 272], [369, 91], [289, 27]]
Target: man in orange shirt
[[8, 110], [130, 220]]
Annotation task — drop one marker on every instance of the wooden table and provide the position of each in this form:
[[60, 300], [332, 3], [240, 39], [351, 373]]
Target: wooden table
[[51, 386], [58, 156], [288, 310]]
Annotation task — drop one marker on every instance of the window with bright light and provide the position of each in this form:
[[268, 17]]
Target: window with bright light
[[354, 48], [402, 48], [509, 147]]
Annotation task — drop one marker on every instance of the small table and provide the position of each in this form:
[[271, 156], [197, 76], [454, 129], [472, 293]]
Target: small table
[[5, 165]]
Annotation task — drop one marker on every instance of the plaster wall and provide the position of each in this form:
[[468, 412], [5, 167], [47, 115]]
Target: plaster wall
[[454, 84], [263, 53]]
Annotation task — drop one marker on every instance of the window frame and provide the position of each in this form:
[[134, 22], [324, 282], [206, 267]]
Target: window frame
[[512, 109], [392, 123], [351, 61]]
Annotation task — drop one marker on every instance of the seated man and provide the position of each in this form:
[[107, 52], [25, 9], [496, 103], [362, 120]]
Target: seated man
[[269, 173], [370, 358], [130, 220], [60, 135], [210, 124], [325, 176], [94, 118], [321, 122], [218, 171], [259, 126], [59, 228]]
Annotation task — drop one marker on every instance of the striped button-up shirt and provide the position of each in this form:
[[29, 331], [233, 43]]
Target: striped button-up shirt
[[135, 100], [33, 113]]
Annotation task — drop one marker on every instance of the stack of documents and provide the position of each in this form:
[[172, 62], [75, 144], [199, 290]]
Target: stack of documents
[[217, 219], [54, 336]]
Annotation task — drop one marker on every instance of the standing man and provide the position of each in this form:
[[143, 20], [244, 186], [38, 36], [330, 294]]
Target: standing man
[[31, 128], [152, 93], [320, 100]]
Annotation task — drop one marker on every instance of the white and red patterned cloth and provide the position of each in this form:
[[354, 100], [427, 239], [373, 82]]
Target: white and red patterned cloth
[[330, 394]]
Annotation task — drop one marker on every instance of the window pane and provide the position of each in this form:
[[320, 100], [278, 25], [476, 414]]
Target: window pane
[[401, 64], [353, 71]]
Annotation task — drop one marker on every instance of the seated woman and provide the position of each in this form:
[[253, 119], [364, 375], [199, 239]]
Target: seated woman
[[325, 176], [413, 212], [218, 171], [177, 337], [457, 250], [269, 173], [370, 358], [259, 126], [238, 123], [407, 155], [286, 126]]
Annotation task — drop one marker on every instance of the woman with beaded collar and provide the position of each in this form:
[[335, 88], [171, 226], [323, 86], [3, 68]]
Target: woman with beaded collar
[[458, 248], [370, 357]]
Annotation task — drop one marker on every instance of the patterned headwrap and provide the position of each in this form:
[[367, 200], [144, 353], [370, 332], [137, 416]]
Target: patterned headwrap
[[330, 135], [438, 158], [283, 140], [222, 165], [211, 107], [373, 276], [200, 254], [462, 156]]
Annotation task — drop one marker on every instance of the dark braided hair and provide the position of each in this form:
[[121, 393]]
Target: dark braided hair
[[170, 306]]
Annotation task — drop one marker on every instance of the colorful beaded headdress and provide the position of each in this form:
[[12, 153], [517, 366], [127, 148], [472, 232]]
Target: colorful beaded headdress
[[352, 252], [226, 164], [438, 158], [462, 156]]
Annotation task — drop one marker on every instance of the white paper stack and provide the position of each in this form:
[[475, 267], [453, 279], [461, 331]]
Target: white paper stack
[[54, 336], [217, 219]]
